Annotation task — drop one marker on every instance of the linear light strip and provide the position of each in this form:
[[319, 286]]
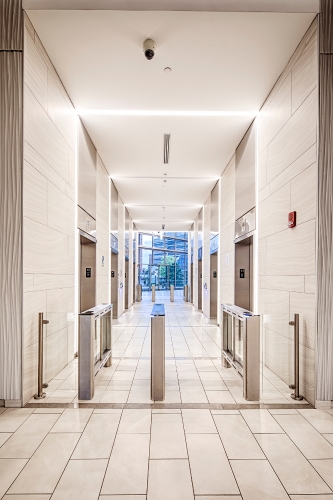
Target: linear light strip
[[162, 112]]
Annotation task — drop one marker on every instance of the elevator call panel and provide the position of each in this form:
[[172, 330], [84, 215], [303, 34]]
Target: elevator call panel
[[242, 273], [214, 274], [112, 274], [88, 272]]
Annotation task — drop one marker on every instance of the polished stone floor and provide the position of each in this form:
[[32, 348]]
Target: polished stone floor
[[114, 452], [194, 374], [139, 454]]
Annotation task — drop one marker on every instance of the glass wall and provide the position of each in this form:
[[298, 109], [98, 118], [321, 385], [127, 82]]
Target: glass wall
[[163, 260]]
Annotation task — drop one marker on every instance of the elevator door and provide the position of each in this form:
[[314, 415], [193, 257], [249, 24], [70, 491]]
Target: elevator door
[[114, 283], [200, 285], [213, 285], [244, 273], [126, 284], [87, 297]]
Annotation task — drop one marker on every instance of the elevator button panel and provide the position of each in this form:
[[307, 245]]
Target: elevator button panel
[[242, 273], [88, 272]]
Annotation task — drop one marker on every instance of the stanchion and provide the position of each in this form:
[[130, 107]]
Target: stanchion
[[157, 367], [41, 322], [153, 288], [296, 395], [172, 293]]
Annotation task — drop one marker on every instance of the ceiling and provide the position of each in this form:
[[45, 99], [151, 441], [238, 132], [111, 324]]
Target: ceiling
[[220, 61]]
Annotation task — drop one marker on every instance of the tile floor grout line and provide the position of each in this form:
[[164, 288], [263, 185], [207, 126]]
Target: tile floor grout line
[[68, 461], [108, 460], [307, 459], [150, 433], [226, 456], [188, 456], [28, 460]]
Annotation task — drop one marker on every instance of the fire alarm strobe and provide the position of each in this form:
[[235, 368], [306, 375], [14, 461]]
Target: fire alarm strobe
[[292, 219]]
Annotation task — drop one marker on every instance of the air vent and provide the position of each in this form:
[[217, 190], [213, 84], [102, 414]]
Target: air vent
[[166, 147]]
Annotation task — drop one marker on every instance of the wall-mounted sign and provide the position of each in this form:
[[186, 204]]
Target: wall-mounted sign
[[88, 224], [102, 260]]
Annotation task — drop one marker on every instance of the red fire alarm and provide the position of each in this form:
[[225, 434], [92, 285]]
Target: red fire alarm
[[292, 219]]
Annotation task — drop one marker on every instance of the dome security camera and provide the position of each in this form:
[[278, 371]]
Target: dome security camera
[[149, 49]]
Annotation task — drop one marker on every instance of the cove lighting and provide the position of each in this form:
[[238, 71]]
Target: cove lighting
[[163, 112]]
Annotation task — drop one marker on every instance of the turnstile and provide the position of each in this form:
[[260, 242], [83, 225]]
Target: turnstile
[[241, 347], [185, 293], [157, 365], [95, 344]]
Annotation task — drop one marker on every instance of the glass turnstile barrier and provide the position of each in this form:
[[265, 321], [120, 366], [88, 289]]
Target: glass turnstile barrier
[[95, 344], [241, 347]]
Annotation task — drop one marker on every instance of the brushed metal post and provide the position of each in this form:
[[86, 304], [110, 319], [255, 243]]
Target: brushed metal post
[[185, 293], [296, 395], [153, 289], [157, 366], [138, 293], [172, 293], [41, 322]]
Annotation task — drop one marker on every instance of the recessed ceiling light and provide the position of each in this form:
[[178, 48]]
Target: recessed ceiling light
[[167, 70], [165, 174], [162, 112], [164, 181]]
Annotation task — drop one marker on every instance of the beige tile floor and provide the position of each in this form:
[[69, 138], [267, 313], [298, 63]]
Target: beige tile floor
[[174, 454], [194, 373]]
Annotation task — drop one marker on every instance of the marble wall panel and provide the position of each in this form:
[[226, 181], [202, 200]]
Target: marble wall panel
[[60, 111], [305, 73], [303, 194], [304, 304], [287, 181], [49, 214], [33, 303], [60, 211], [273, 212], [295, 137], [35, 194], [276, 115], [35, 71], [206, 257], [43, 136], [298, 248], [289, 283], [308, 158], [28, 282]]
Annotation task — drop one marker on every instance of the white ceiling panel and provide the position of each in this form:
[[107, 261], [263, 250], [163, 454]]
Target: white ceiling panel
[[199, 146]]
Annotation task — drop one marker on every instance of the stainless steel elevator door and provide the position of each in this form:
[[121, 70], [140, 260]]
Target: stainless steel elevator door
[[114, 283], [87, 297], [244, 273], [213, 285], [200, 285]]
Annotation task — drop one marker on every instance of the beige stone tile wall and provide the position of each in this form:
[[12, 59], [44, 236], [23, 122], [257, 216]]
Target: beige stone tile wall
[[121, 255], [49, 214], [206, 257], [103, 272], [287, 147], [227, 225]]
